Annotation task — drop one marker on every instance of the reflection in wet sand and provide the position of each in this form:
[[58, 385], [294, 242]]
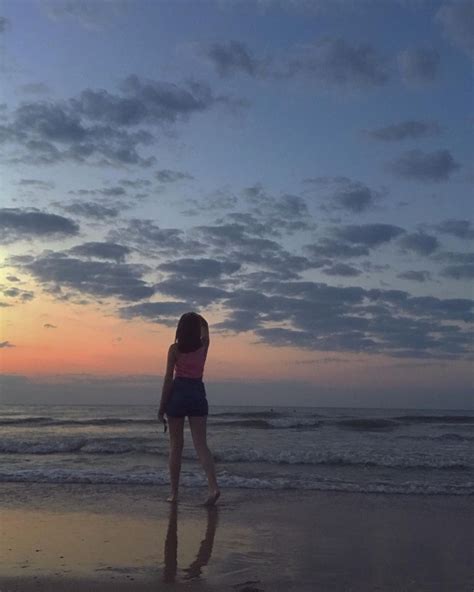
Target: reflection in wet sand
[[171, 546]]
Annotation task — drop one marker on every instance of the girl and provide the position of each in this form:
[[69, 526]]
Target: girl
[[185, 394]]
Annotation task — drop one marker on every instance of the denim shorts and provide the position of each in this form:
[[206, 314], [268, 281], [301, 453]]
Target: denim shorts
[[188, 397]]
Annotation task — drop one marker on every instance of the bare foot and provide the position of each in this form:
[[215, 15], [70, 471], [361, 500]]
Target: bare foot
[[212, 499], [173, 498]]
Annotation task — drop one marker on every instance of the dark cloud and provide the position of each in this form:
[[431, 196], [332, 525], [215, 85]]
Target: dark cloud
[[91, 14], [459, 272], [4, 344], [369, 235], [330, 62], [416, 276], [35, 88], [237, 241], [147, 101], [273, 215], [148, 238], [424, 166], [213, 202], [36, 184], [405, 130], [169, 176], [58, 272], [4, 24], [457, 20], [135, 183], [12, 278], [101, 250], [419, 66], [341, 269], [25, 224], [347, 194], [94, 127], [157, 312], [113, 191], [232, 57], [419, 242], [49, 326], [197, 295], [459, 228], [200, 269], [23, 295], [90, 209], [334, 62], [51, 133], [333, 248]]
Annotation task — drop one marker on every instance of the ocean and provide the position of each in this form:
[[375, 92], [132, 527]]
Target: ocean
[[402, 451]]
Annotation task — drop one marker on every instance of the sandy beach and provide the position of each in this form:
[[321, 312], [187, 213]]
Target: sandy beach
[[93, 537]]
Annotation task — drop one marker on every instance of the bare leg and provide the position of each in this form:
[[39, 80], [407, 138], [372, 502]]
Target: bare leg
[[176, 426], [198, 431]]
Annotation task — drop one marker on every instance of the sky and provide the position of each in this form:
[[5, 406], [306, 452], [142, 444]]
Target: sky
[[299, 172]]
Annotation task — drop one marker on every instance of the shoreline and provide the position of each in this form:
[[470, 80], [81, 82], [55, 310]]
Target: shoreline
[[82, 538]]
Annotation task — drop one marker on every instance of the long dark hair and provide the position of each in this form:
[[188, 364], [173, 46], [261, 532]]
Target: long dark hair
[[188, 332]]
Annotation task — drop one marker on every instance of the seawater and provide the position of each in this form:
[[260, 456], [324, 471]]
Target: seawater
[[401, 451]]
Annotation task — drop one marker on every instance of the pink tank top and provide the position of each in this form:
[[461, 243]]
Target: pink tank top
[[191, 364]]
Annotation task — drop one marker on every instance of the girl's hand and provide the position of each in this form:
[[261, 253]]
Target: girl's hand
[[161, 419]]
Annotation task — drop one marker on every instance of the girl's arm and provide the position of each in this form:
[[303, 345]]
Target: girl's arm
[[205, 332], [168, 379]]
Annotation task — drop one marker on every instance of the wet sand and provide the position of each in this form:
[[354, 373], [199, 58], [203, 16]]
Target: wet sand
[[69, 537]]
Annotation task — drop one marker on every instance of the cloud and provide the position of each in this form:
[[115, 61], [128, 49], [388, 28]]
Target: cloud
[[233, 57], [49, 326], [4, 344], [135, 183], [329, 61], [405, 130], [4, 24], [37, 184], [459, 272], [330, 248], [419, 66], [459, 228], [416, 276], [169, 176], [334, 62], [457, 21], [91, 14], [199, 269], [156, 312], [90, 209], [195, 294], [369, 235], [349, 195], [147, 101], [96, 126], [271, 215], [35, 88], [148, 238], [419, 242], [25, 224], [237, 241], [341, 269], [101, 250], [23, 295], [433, 166], [12, 278], [57, 272]]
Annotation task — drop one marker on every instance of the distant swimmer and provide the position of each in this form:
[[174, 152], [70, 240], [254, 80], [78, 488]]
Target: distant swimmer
[[185, 395]]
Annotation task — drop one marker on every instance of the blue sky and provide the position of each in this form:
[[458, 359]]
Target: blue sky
[[264, 160]]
